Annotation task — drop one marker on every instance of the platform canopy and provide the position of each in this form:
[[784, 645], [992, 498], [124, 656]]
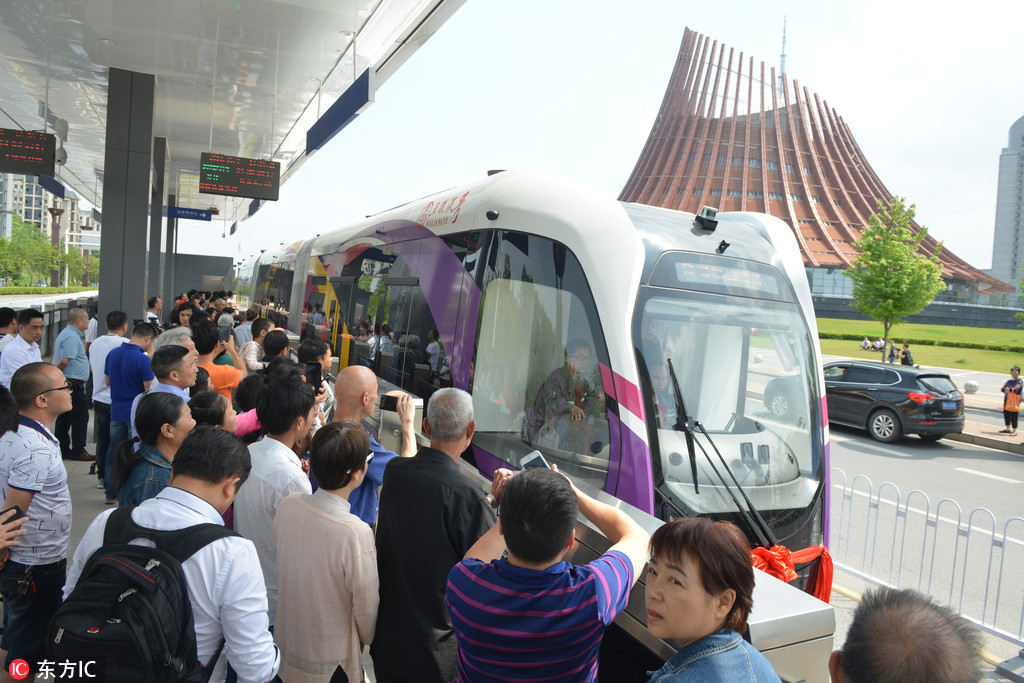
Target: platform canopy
[[245, 78]]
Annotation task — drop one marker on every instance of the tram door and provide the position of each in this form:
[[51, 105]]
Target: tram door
[[404, 364], [337, 314]]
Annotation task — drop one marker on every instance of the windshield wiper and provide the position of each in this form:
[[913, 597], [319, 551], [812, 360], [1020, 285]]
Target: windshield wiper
[[683, 424], [755, 522]]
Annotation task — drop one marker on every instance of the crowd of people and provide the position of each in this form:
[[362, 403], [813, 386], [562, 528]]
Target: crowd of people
[[301, 539]]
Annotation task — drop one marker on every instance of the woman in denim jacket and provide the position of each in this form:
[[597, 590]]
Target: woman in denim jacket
[[698, 591], [163, 420]]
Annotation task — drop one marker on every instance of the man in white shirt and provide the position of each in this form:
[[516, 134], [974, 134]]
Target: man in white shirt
[[155, 308], [117, 327], [286, 410], [90, 331], [24, 348], [34, 479], [8, 326], [225, 585]]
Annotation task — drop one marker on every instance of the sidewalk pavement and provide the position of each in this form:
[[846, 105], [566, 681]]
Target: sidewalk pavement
[[987, 398]]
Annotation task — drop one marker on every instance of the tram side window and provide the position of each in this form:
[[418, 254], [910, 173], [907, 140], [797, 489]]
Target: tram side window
[[537, 382], [379, 286], [275, 290]]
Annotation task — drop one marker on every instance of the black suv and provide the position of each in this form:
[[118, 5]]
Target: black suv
[[892, 400]]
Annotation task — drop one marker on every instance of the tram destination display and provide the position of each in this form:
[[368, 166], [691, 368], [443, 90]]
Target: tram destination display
[[28, 152], [239, 177]]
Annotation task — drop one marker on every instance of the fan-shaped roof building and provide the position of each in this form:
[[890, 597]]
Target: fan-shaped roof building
[[733, 134]]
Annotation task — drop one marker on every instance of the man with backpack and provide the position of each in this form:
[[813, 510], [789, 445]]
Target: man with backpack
[[223, 599]]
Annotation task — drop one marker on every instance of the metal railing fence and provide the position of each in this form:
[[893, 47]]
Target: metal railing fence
[[964, 560]]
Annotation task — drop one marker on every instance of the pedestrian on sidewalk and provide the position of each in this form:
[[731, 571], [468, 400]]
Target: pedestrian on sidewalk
[[1011, 400], [905, 356]]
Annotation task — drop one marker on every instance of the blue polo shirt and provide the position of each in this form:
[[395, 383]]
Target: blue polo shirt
[[363, 501], [513, 623], [128, 367], [69, 345]]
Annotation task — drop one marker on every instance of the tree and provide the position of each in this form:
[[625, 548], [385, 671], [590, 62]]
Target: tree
[[28, 256], [891, 277]]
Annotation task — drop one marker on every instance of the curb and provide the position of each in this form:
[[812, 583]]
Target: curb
[[987, 442]]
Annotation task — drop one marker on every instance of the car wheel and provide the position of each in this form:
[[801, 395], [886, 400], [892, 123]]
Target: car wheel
[[884, 426], [931, 437], [779, 405]]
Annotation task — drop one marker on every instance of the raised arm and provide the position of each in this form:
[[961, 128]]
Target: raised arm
[[625, 535]]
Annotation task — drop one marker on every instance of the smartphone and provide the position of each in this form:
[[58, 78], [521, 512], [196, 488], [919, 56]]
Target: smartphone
[[389, 402], [314, 375], [225, 334], [18, 514], [534, 459]]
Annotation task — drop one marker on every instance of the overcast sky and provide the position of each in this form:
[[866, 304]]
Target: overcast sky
[[573, 86]]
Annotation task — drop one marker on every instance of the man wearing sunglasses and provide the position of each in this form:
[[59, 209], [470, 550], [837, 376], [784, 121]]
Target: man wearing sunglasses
[[34, 479]]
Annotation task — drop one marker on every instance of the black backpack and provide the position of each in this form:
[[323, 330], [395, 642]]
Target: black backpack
[[130, 612]]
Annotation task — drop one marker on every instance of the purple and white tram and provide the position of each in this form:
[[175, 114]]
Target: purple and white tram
[[564, 313]]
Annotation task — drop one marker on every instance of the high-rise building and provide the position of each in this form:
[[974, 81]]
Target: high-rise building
[[24, 197], [733, 134], [1008, 241]]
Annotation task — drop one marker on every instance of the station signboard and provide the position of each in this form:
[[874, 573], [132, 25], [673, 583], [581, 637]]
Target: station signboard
[[190, 214], [28, 152], [239, 176]]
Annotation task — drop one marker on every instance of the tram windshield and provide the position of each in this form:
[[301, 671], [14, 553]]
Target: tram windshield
[[743, 359]]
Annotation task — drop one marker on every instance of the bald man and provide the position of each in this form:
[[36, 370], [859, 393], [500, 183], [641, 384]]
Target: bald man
[[356, 393], [69, 356]]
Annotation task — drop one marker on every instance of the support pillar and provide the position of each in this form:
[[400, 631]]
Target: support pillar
[[55, 213], [170, 254], [156, 205], [126, 193]]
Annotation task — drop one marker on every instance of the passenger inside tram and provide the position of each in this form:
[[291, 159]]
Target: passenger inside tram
[[567, 403]]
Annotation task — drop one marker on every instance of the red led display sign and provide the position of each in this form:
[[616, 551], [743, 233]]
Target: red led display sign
[[28, 152], [239, 177]]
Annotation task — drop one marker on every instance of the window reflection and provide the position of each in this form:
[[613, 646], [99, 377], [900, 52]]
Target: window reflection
[[537, 382]]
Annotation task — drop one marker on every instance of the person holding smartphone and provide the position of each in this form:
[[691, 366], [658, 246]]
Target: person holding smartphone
[[356, 394], [315, 355], [500, 606], [35, 481]]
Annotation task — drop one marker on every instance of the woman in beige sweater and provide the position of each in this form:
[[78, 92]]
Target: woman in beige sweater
[[326, 566]]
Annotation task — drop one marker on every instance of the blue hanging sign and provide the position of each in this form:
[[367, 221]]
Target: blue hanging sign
[[190, 214], [345, 109]]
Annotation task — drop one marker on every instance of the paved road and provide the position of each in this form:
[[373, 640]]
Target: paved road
[[23, 300], [972, 476]]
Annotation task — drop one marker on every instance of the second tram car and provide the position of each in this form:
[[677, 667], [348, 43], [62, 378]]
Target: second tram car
[[572, 319]]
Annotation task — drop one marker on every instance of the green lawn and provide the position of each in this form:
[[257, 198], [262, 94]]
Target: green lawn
[[872, 329], [939, 356]]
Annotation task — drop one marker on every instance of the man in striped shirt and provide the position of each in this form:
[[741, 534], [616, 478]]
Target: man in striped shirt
[[533, 616]]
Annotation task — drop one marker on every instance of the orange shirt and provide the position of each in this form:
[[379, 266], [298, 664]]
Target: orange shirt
[[223, 378]]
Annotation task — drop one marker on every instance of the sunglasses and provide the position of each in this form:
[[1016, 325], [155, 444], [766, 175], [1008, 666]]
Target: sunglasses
[[67, 387]]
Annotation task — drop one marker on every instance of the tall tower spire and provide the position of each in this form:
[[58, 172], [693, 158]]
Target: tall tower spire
[[782, 57]]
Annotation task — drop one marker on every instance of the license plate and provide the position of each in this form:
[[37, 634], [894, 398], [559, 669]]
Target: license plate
[[949, 405]]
